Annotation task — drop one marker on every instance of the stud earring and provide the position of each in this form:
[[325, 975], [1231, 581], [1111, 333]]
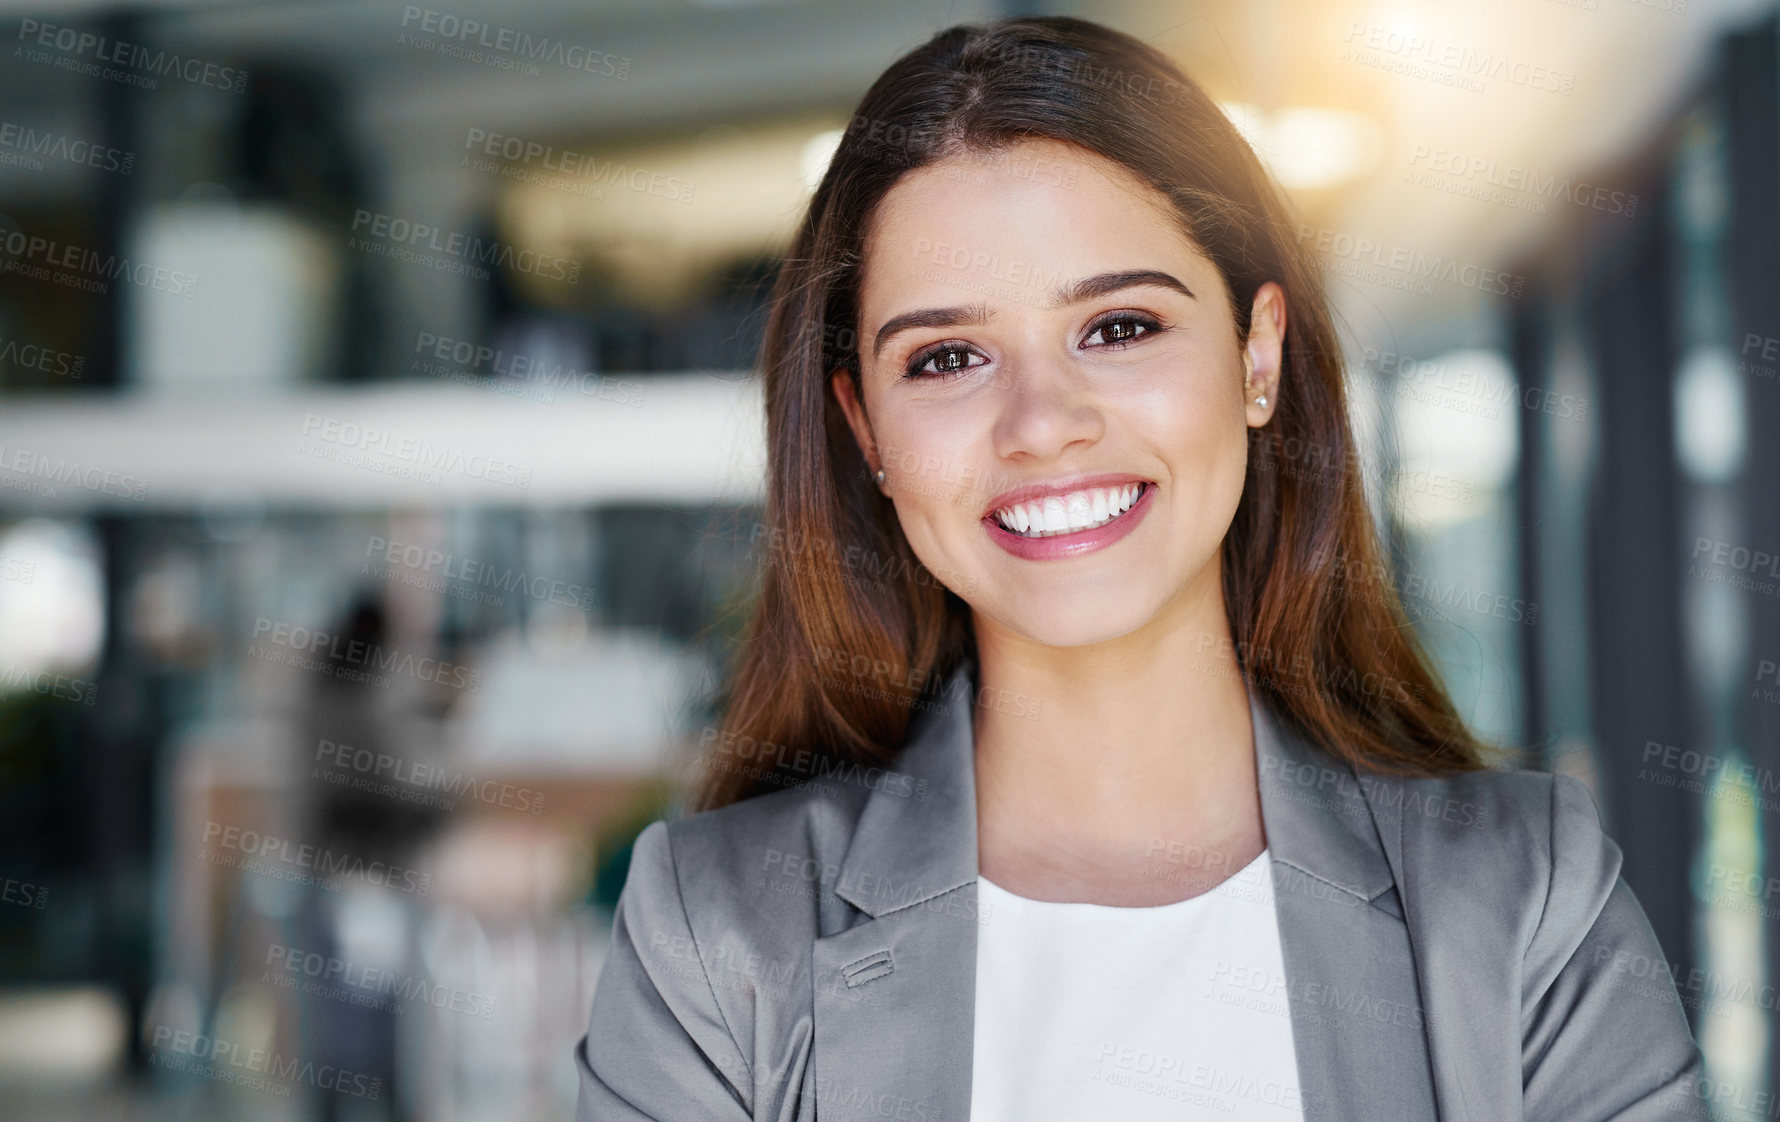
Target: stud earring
[[1261, 401], [879, 477]]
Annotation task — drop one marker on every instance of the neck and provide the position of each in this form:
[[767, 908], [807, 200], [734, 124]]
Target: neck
[[1139, 745]]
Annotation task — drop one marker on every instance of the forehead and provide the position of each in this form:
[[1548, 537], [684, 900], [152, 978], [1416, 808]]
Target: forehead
[[1040, 210]]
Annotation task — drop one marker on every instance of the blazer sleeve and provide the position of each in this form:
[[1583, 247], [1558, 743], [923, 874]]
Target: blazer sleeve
[[657, 1046], [1604, 1035]]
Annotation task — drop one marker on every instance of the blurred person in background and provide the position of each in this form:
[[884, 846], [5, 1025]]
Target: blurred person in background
[[350, 812], [1126, 806]]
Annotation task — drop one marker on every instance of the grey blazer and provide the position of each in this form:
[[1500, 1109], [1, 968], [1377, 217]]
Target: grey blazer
[[1460, 948]]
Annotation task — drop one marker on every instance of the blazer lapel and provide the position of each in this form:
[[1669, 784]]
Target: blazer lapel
[[895, 999], [1357, 1020]]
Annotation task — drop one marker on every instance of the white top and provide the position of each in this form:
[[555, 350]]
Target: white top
[[1089, 1011]]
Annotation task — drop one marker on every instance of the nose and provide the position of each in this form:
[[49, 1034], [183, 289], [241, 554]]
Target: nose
[[1048, 409]]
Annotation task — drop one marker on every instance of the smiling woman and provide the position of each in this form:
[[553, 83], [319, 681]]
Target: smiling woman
[[1137, 807]]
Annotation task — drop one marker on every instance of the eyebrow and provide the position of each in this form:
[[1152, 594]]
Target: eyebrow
[[1105, 284], [975, 315]]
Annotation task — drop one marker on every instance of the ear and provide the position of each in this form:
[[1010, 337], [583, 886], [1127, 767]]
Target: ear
[[1263, 356], [841, 380]]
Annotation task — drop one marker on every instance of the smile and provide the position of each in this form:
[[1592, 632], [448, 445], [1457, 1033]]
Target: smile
[[1071, 512], [1070, 519]]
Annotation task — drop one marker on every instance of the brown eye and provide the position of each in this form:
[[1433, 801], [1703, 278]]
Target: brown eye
[[944, 361], [948, 362], [1122, 330]]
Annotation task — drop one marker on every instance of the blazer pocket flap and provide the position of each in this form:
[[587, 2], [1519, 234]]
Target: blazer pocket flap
[[874, 965]]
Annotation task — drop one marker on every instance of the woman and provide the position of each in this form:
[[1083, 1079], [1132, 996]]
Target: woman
[[1066, 773]]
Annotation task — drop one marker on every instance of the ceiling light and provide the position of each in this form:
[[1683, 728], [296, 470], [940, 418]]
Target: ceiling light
[[1307, 148]]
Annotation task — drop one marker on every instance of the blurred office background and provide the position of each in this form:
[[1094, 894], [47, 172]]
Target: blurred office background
[[319, 765]]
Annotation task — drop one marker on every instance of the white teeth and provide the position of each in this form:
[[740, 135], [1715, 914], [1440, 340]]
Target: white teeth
[[1080, 511], [1069, 513]]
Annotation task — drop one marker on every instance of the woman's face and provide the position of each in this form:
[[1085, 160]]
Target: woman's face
[[1053, 387]]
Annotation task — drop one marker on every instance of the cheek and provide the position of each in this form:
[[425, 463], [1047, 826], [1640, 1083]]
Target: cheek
[[1197, 422], [938, 479], [933, 457]]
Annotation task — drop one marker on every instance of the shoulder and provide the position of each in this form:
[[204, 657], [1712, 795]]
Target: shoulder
[[711, 940], [1504, 818], [757, 866], [1507, 847]]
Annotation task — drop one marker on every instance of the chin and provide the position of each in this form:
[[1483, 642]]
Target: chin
[[1082, 620]]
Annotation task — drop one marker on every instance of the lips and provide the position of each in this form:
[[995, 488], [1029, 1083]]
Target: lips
[[1068, 518]]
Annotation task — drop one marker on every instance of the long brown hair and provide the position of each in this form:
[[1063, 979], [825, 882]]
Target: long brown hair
[[1318, 625]]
